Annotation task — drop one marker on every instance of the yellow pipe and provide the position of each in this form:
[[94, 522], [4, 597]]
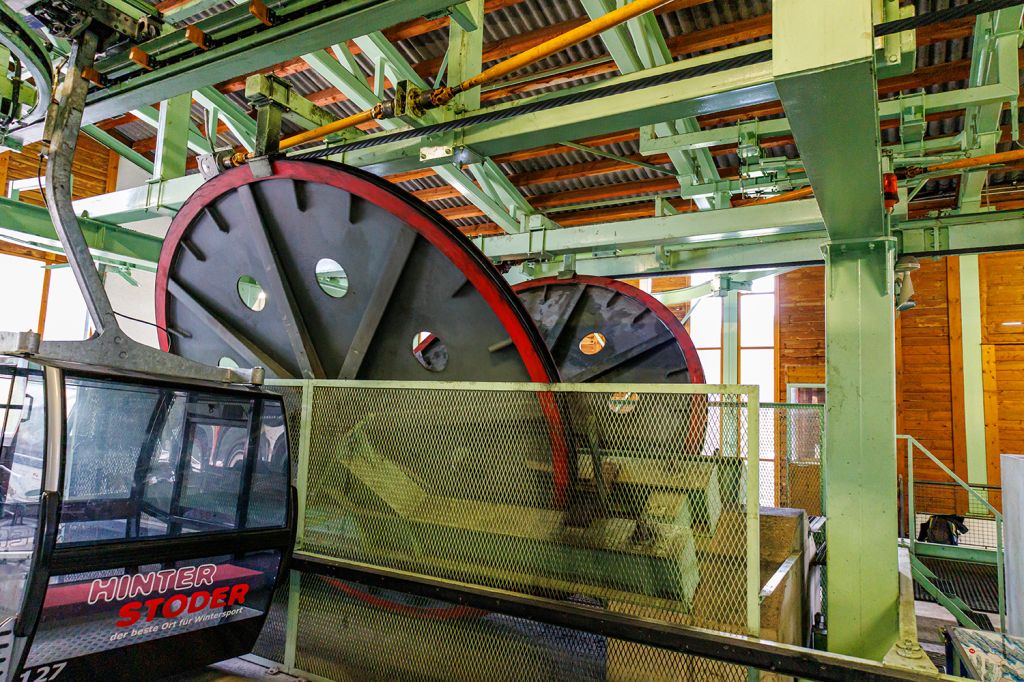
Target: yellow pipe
[[444, 95], [559, 43], [785, 196], [317, 133], [984, 160]]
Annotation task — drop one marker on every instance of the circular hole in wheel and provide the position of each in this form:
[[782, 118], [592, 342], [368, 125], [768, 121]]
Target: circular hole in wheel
[[227, 362], [251, 293], [593, 343], [429, 351], [623, 402], [331, 277]]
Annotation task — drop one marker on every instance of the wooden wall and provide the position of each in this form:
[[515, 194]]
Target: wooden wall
[[1002, 355], [929, 359], [800, 329], [94, 169]]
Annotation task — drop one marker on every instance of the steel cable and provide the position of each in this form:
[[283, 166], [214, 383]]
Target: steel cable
[[958, 12], [544, 105]]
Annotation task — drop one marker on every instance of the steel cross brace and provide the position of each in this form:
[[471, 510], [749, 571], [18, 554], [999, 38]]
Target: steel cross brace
[[994, 60], [502, 204], [237, 121], [151, 116], [640, 45]]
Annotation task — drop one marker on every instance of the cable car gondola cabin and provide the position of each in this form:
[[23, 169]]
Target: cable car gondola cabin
[[143, 524]]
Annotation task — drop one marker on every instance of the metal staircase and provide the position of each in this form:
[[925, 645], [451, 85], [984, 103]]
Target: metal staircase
[[937, 582]]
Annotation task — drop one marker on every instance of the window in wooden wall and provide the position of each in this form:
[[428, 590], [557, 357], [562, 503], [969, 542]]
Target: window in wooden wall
[[706, 332], [757, 337], [66, 316], [29, 302], [21, 290]]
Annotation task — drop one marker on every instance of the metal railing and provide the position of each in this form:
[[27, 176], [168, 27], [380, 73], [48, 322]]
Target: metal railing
[[977, 498]]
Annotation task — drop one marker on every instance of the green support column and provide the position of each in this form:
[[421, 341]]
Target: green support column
[[824, 70], [172, 137], [731, 338], [993, 60], [465, 52], [860, 429]]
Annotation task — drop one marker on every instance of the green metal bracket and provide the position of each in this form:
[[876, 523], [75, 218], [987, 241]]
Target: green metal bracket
[[912, 120], [172, 136], [264, 91], [459, 14]]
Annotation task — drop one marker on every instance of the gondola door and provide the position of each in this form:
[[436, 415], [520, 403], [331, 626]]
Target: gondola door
[[23, 426]]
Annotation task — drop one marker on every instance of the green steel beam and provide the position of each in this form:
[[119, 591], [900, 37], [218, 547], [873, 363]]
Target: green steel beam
[[28, 224], [465, 55], [965, 233], [785, 218], [731, 340], [993, 60], [172, 137], [299, 32], [735, 254], [140, 203], [151, 116], [700, 95], [826, 82], [824, 69], [238, 122], [952, 100], [120, 148], [971, 555]]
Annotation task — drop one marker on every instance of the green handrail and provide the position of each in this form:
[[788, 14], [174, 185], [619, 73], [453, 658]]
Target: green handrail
[[913, 443]]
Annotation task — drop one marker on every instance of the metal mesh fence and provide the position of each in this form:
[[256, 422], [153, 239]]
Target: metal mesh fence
[[944, 499], [632, 501], [791, 445]]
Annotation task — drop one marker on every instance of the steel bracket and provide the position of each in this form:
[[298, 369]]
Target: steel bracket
[[912, 120], [275, 100], [896, 54], [211, 165], [70, 18], [459, 14], [723, 284]]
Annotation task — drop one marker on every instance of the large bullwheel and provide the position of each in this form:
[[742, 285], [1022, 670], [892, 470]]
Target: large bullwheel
[[323, 271], [601, 329]]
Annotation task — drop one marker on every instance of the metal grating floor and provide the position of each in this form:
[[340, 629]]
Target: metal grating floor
[[974, 583]]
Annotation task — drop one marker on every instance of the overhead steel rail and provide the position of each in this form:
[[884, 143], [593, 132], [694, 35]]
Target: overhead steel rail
[[235, 37]]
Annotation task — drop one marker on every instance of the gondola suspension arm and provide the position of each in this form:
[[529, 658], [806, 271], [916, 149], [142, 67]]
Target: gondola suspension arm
[[110, 347]]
